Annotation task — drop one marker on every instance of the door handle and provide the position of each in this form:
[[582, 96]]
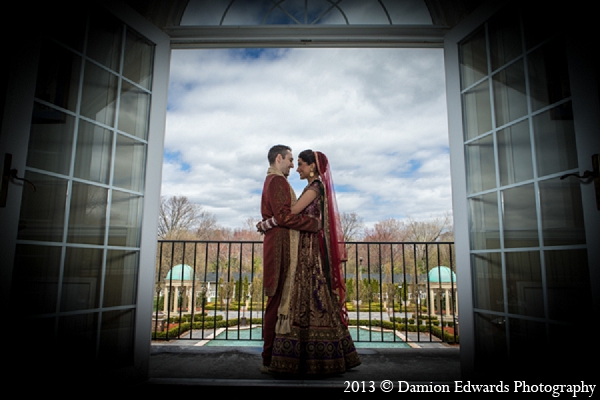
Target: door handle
[[13, 174], [586, 175], [5, 179], [594, 175], [7, 175]]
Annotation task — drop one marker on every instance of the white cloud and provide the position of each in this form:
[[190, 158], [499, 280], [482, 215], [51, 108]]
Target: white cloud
[[378, 114]]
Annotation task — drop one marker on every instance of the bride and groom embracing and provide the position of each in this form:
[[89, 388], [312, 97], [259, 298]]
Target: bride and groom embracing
[[305, 327]]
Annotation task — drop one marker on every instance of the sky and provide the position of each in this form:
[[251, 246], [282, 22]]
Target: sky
[[378, 114]]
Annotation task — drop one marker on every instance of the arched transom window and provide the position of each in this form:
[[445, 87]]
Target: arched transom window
[[305, 12]]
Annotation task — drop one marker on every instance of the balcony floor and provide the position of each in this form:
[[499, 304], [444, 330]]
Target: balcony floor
[[237, 369]]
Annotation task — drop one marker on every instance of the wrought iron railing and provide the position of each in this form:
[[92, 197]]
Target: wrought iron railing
[[397, 292]]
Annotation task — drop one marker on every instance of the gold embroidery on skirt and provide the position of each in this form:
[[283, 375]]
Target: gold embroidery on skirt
[[318, 342]]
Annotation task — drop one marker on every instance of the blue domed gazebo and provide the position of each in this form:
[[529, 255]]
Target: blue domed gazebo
[[441, 275], [181, 280], [180, 272], [442, 284]]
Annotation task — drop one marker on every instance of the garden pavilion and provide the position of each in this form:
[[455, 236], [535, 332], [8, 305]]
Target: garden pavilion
[[442, 285]]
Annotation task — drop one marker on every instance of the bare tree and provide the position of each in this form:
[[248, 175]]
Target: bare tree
[[248, 231], [413, 256], [180, 218], [427, 256], [352, 226], [176, 215], [388, 230], [250, 224], [206, 226], [429, 231]]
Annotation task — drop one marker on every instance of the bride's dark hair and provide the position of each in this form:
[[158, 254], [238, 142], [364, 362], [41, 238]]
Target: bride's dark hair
[[308, 156]]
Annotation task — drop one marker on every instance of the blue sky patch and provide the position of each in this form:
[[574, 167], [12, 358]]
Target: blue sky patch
[[414, 165], [344, 189], [174, 157], [256, 54], [409, 169]]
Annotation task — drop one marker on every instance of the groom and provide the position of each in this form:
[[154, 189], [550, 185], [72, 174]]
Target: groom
[[278, 225]]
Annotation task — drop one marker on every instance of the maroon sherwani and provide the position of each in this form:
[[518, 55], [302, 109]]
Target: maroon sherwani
[[276, 202]]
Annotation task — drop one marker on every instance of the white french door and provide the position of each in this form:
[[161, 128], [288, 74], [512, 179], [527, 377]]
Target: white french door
[[523, 114], [82, 142]]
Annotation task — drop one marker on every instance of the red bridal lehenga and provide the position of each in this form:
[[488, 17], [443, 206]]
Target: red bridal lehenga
[[317, 341]]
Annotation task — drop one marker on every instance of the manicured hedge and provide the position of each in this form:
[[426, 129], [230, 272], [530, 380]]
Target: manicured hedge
[[184, 327]]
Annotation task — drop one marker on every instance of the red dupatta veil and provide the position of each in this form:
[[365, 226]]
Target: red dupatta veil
[[334, 250]]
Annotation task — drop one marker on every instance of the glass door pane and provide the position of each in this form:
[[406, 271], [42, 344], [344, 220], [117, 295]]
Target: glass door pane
[[99, 96], [50, 140], [515, 161], [510, 100], [488, 290], [477, 114], [484, 223], [42, 214], [524, 283], [562, 212], [473, 59], [548, 64], [481, 165], [555, 145], [520, 217]]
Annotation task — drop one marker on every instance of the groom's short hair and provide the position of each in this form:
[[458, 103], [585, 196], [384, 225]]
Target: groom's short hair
[[275, 150]]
